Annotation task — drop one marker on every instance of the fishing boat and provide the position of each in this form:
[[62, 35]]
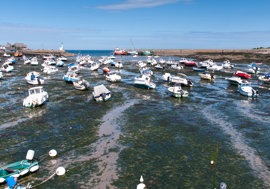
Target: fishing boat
[[37, 97], [177, 91], [20, 168], [33, 78], [118, 51], [113, 77], [81, 84], [144, 82], [242, 74], [247, 90], [265, 78], [71, 77], [236, 80], [6, 67], [132, 52], [207, 76], [101, 93]]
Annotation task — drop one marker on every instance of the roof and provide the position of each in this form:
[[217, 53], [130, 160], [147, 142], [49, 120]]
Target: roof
[[100, 89]]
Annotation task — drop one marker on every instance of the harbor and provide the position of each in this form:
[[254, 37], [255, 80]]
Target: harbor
[[212, 135]]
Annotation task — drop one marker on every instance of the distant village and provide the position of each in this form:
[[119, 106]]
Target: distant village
[[12, 48]]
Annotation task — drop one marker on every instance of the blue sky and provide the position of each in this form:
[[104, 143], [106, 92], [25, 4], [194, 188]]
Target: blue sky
[[150, 24]]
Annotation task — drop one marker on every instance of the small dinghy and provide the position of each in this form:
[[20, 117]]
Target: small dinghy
[[37, 97], [33, 78], [242, 74], [101, 93], [118, 64], [20, 168], [177, 91], [247, 90], [105, 70], [81, 84], [6, 67], [196, 69]]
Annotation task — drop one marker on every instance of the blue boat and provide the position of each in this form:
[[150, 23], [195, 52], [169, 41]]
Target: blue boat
[[71, 77], [196, 69]]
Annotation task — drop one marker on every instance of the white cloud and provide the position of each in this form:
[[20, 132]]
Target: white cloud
[[133, 4]]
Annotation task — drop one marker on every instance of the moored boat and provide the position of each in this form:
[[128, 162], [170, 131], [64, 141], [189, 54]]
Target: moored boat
[[247, 90], [242, 74], [236, 80], [207, 76], [33, 78], [118, 51], [101, 93], [144, 82], [265, 78], [71, 77], [37, 97], [113, 77], [177, 91], [20, 168], [81, 84]]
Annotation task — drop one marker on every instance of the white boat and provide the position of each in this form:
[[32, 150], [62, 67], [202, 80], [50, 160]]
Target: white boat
[[265, 78], [183, 60], [81, 84], [11, 60], [74, 67], [181, 80], [1, 75], [62, 58], [71, 77], [50, 69], [6, 55], [113, 77], [34, 61], [49, 61], [207, 76], [27, 60], [177, 67], [227, 65], [6, 67], [236, 80], [59, 62], [214, 67], [158, 66], [37, 96], [253, 68], [144, 82], [146, 71], [166, 77], [118, 64], [177, 91], [206, 63], [141, 64], [162, 61], [132, 52], [101, 93], [247, 90], [94, 66], [33, 78]]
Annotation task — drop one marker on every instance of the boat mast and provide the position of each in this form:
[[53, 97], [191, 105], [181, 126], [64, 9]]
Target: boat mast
[[132, 44]]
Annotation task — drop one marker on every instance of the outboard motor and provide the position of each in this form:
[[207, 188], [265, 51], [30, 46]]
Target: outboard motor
[[190, 83], [30, 155], [103, 96]]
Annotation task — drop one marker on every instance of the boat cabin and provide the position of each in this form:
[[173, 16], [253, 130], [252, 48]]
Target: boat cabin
[[35, 90]]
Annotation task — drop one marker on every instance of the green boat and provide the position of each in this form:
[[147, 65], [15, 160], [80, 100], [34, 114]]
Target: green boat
[[147, 53], [20, 168]]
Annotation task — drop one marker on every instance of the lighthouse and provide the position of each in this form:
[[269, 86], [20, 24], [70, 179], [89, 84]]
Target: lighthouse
[[62, 47]]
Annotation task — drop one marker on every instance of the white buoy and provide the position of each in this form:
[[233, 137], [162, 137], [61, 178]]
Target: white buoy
[[223, 185], [141, 185], [52, 153], [212, 162], [60, 171]]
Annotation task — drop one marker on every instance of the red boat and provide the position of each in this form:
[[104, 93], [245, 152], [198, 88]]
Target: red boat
[[118, 51], [242, 74], [105, 70], [190, 63]]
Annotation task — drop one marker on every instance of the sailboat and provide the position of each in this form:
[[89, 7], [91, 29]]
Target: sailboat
[[132, 52]]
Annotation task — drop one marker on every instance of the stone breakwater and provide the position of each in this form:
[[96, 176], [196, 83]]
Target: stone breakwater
[[46, 52], [235, 55]]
